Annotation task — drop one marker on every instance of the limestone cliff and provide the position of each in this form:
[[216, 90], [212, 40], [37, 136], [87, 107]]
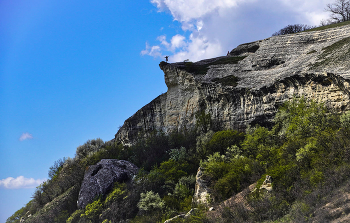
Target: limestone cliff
[[248, 85]]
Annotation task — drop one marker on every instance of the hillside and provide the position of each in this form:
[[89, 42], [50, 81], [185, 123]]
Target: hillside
[[259, 135]]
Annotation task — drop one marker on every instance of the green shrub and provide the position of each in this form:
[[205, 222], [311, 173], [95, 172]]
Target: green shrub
[[75, 217], [230, 176], [62, 216], [150, 202], [162, 179], [221, 140], [16, 217], [178, 154], [118, 193], [93, 210], [150, 151], [259, 144], [89, 148], [202, 144], [345, 120]]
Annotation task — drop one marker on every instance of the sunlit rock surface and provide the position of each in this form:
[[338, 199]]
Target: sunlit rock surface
[[266, 74]]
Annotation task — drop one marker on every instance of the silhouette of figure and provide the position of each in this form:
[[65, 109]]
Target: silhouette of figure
[[228, 53], [166, 58]]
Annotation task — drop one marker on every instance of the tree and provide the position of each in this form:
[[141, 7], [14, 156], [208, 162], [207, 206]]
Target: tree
[[89, 148], [340, 10], [292, 29], [56, 167]]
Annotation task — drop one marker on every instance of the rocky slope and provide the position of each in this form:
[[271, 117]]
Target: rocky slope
[[248, 85]]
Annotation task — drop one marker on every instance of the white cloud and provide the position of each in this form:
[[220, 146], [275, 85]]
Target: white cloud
[[177, 41], [211, 28], [163, 41], [154, 51], [185, 11], [198, 48], [20, 182], [25, 136]]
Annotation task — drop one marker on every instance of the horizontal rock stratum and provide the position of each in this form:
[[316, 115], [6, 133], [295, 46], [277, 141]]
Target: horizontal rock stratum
[[248, 85]]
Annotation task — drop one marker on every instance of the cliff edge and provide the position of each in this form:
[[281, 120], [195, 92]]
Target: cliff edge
[[249, 84]]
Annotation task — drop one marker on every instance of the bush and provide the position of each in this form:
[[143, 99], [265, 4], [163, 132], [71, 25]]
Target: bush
[[93, 210], [230, 176], [150, 202], [221, 140], [89, 148], [202, 144], [178, 154], [290, 29], [74, 218], [162, 179], [150, 151], [118, 193]]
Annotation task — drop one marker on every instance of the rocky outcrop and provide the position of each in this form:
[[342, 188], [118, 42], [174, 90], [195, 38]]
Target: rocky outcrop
[[248, 85], [99, 178], [26, 216], [267, 184], [202, 190]]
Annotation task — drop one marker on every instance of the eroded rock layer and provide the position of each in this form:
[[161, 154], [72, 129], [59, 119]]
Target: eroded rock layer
[[248, 85]]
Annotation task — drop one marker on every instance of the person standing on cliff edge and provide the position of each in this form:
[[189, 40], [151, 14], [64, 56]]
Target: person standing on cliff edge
[[166, 58]]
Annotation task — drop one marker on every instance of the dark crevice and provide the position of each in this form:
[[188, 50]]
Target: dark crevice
[[95, 171]]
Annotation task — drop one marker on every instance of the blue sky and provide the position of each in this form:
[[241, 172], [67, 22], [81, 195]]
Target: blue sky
[[71, 71]]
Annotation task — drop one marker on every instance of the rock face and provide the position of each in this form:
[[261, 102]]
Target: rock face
[[248, 85], [202, 190], [99, 178]]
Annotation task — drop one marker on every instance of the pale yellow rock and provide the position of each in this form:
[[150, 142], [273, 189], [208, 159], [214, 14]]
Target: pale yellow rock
[[274, 70]]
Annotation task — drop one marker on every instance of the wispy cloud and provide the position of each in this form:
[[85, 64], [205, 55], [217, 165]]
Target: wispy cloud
[[25, 136], [20, 182], [211, 28]]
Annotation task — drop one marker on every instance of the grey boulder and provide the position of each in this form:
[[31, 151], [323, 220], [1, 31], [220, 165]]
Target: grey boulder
[[99, 179]]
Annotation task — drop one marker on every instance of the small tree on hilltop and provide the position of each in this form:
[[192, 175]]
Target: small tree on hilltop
[[292, 29], [340, 11]]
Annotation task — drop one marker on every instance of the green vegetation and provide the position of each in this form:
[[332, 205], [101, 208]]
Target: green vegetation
[[196, 68], [290, 29], [150, 202], [306, 153], [93, 210], [327, 56], [335, 46], [335, 25]]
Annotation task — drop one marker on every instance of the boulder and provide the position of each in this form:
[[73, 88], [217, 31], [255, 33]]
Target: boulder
[[99, 179]]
